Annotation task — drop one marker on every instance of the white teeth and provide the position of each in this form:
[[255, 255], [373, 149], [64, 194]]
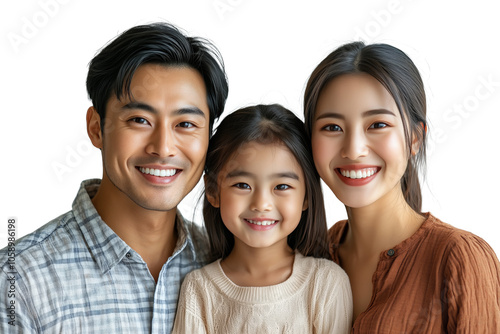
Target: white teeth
[[359, 173], [263, 222], [158, 172]]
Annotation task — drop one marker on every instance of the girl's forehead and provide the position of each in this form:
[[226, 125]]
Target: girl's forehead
[[262, 158]]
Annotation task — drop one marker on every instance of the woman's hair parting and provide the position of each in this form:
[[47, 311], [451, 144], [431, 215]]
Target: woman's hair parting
[[399, 75], [265, 124]]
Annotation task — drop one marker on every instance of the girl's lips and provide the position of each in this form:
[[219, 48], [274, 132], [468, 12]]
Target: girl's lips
[[260, 224]]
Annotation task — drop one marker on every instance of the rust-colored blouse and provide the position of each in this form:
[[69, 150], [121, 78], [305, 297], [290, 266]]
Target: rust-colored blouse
[[440, 280]]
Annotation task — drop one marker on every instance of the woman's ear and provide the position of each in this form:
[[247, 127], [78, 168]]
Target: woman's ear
[[212, 199], [94, 127], [417, 140]]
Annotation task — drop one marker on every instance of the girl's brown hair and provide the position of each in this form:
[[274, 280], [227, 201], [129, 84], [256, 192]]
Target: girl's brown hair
[[399, 75], [265, 124]]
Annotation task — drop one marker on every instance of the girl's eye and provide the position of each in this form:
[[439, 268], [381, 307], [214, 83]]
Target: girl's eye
[[378, 125], [332, 128], [139, 120], [282, 187], [186, 125], [241, 185]]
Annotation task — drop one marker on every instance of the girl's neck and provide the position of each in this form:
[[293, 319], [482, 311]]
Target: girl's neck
[[267, 266], [380, 226]]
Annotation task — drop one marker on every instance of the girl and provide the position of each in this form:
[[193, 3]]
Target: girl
[[266, 224], [365, 112]]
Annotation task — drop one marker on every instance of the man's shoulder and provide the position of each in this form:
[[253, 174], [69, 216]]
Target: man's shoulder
[[48, 240]]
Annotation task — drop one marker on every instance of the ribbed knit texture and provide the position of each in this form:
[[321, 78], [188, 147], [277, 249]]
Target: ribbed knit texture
[[439, 280], [316, 298]]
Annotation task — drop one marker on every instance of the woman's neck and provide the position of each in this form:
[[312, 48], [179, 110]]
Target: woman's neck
[[380, 225]]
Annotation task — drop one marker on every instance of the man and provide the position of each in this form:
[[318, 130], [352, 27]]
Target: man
[[115, 262]]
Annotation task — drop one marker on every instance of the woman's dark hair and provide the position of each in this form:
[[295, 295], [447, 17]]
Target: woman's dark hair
[[399, 75], [265, 124], [112, 69]]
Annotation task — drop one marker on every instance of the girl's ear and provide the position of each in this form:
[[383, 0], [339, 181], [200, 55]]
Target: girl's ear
[[94, 127], [416, 142], [305, 205], [214, 200]]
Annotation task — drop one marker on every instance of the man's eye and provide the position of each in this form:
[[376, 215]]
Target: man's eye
[[186, 125], [139, 120]]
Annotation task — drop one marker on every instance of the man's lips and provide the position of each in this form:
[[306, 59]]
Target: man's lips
[[161, 172]]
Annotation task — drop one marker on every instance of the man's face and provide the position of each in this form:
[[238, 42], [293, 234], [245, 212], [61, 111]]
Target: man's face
[[154, 143]]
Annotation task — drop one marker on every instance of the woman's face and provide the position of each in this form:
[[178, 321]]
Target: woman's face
[[358, 140]]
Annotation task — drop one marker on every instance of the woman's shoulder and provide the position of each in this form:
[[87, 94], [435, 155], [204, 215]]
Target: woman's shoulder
[[452, 236], [459, 247]]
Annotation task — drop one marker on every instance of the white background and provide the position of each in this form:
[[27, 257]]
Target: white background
[[270, 48]]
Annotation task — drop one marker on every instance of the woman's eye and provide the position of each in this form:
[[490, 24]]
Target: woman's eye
[[332, 128], [241, 186], [282, 187], [378, 125], [139, 120], [186, 125]]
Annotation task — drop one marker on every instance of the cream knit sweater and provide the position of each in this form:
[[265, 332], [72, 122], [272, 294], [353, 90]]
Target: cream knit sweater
[[316, 298]]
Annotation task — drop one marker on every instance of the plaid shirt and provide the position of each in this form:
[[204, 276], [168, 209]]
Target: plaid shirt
[[75, 275]]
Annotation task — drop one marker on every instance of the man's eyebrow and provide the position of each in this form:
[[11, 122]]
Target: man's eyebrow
[[240, 173], [367, 113], [140, 105], [151, 109], [190, 110]]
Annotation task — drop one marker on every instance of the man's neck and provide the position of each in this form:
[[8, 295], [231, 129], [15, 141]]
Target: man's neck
[[152, 234]]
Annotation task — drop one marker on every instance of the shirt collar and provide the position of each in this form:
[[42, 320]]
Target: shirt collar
[[105, 246]]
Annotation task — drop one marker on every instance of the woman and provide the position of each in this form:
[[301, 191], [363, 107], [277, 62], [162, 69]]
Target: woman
[[365, 112]]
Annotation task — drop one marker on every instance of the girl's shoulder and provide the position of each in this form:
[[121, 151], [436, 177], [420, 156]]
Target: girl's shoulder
[[321, 269]]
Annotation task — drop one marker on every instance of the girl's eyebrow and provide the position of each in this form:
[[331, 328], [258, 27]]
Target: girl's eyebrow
[[239, 173], [367, 113]]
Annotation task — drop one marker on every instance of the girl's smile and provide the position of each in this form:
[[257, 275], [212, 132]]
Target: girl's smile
[[262, 195]]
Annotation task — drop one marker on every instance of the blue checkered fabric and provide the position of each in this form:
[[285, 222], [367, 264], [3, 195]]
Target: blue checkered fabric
[[75, 275]]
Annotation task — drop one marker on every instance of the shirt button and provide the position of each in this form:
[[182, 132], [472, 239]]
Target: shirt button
[[391, 252], [128, 255]]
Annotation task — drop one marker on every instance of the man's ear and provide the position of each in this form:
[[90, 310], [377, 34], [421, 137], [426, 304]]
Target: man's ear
[[212, 199], [94, 127], [416, 143]]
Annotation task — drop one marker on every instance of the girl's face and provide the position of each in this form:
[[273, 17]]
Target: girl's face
[[358, 140], [261, 195]]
